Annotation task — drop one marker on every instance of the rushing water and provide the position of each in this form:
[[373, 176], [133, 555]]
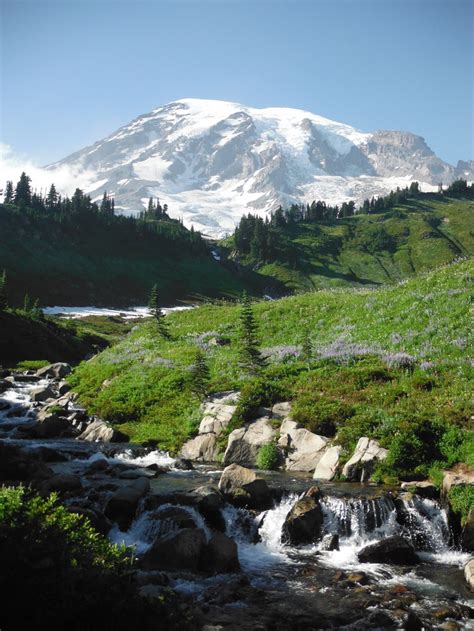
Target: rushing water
[[359, 517]]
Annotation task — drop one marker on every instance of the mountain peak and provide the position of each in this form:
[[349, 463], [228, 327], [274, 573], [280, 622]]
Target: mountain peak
[[212, 161]]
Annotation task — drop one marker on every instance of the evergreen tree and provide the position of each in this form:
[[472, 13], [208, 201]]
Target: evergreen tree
[[52, 198], [8, 198], [200, 375], [3, 292], [157, 313], [23, 191], [250, 358]]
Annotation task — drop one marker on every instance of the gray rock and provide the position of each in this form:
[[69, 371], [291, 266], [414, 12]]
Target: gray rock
[[469, 574], [42, 393], [100, 431], [202, 448], [361, 464], [63, 388], [304, 448], [61, 483], [281, 410], [330, 543], [58, 370], [219, 555], [327, 466], [180, 550], [244, 443], [394, 550], [304, 522], [242, 487], [122, 506]]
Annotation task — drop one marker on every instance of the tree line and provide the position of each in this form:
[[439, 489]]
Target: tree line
[[80, 211], [265, 239]]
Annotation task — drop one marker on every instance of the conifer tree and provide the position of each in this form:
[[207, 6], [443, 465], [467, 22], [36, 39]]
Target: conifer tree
[[200, 374], [23, 191], [52, 198], [8, 198], [157, 313], [3, 292], [250, 358]]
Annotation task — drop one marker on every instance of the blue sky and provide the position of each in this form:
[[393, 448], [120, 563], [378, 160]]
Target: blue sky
[[73, 71]]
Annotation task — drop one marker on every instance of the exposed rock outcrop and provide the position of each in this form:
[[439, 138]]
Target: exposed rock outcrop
[[58, 370], [327, 466], [361, 464], [99, 430], [469, 574], [304, 449], [217, 414], [244, 442]]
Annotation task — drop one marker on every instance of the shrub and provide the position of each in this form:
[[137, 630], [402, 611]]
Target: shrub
[[267, 457], [461, 499], [58, 572]]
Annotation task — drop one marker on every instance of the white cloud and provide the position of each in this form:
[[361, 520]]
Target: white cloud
[[65, 178]]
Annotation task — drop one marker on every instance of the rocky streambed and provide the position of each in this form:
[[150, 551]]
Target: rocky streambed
[[244, 549]]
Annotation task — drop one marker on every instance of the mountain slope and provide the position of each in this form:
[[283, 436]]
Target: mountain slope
[[212, 161], [112, 262], [419, 235]]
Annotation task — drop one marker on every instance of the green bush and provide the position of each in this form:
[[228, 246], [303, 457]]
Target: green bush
[[268, 457], [461, 499], [59, 573]]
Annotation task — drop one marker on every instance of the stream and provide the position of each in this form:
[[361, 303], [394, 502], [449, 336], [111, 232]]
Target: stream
[[277, 582]]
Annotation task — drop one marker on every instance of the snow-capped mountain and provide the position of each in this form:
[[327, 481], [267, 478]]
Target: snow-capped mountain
[[212, 161]]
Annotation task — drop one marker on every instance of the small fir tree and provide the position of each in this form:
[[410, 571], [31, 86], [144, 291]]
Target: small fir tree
[[200, 375], [157, 313], [8, 198], [250, 357], [23, 191], [3, 292]]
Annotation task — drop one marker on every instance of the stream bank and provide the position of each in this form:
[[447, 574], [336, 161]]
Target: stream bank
[[141, 496]]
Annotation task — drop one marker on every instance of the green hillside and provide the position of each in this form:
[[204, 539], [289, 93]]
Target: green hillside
[[86, 258], [368, 249], [389, 363]]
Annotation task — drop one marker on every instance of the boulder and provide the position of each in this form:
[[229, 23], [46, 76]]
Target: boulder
[[123, 504], [209, 501], [394, 550], [56, 371], [219, 555], [467, 535], [4, 385], [175, 518], [243, 443], [304, 448], [18, 466], [304, 522], [202, 448], [361, 464], [326, 468], [423, 488], [61, 483], [469, 574], [63, 388], [51, 425], [330, 543], [97, 519], [281, 410], [42, 393], [459, 475], [100, 431], [179, 550], [242, 488]]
